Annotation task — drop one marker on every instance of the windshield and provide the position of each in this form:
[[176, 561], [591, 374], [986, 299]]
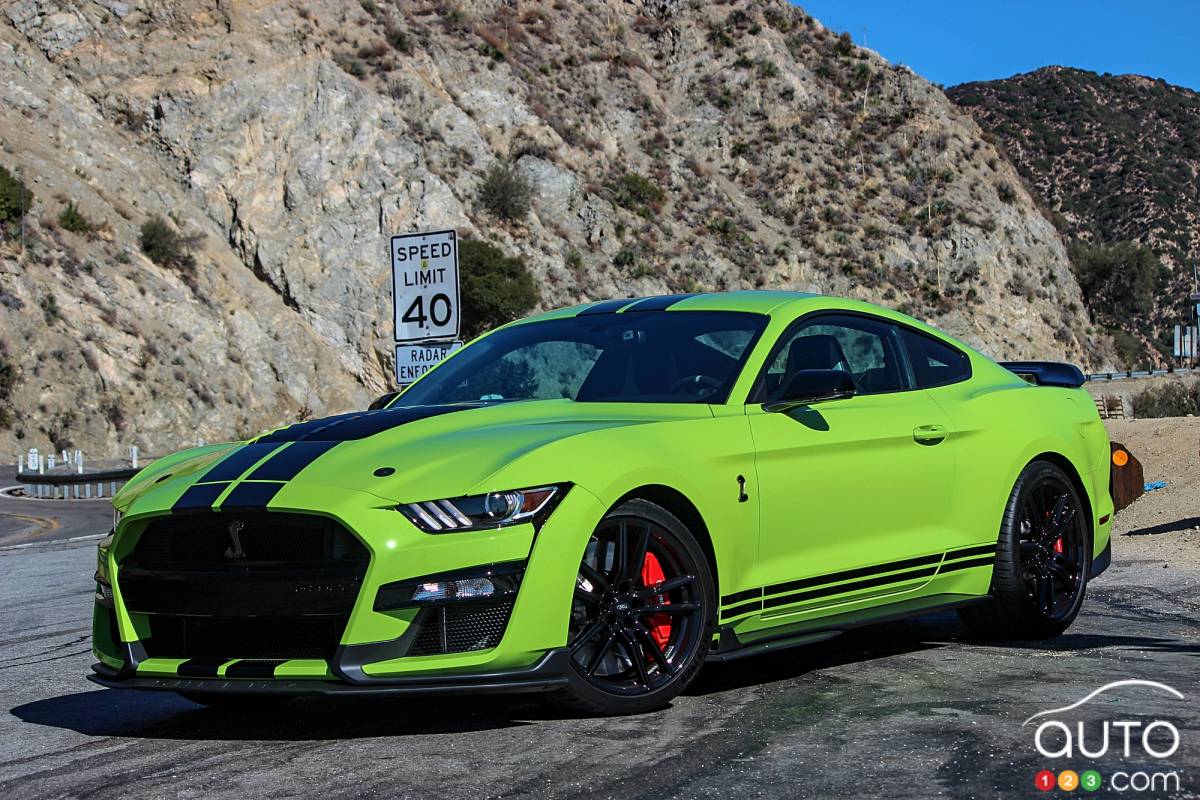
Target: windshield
[[638, 357]]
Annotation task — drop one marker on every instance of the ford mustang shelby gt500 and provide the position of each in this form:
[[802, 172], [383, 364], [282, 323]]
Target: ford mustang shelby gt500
[[595, 501]]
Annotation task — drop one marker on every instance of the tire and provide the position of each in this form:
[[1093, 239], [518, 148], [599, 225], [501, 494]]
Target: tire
[[235, 702], [1045, 541], [632, 649]]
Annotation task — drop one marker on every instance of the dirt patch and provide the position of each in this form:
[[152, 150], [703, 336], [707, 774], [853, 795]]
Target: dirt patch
[[1163, 524]]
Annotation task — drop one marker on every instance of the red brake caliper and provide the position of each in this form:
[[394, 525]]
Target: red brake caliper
[[659, 624]]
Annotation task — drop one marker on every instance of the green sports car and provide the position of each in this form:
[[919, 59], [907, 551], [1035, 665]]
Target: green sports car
[[594, 502]]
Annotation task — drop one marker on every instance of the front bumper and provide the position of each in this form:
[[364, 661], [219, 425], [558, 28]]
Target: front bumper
[[373, 655], [547, 674]]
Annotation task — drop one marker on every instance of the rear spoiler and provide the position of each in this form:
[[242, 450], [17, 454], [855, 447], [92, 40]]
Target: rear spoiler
[[1047, 373]]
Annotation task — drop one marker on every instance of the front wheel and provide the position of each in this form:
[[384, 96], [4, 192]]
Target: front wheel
[[1043, 558], [642, 615]]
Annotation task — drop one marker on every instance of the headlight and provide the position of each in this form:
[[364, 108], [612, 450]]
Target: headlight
[[483, 511]]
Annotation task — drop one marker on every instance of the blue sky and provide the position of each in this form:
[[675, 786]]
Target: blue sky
[[969, 40]]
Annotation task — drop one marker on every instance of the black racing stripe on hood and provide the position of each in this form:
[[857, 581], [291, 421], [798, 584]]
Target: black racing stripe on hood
[[250, 496], [660, 303], [200, 496], [288, 462], [233, 465], [361, 424]]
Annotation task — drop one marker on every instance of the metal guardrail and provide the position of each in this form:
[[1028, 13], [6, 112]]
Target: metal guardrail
[[75, 485], [1140, 373]]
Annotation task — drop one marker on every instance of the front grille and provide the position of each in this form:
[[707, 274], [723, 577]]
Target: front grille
[[253, 585], [461, 628]]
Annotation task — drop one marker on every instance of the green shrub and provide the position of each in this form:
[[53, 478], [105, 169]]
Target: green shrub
[[1173, 399], [637, 193], [505, 192], [8, 379], [573, 260], [1117, 279], [163, 245], [72, 220], [398, 40], [15, 197], [495, 288], [1005, 192]]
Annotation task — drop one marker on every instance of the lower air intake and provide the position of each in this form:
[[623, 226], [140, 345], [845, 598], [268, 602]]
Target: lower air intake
[[461, 628]]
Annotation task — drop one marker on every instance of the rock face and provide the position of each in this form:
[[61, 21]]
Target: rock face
[[293, 138], [1115, 158]]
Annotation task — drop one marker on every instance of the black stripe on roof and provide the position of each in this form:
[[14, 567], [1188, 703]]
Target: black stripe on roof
[[607, 307], [660, 303]]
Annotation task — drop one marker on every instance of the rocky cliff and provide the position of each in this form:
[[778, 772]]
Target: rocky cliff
[[670, 146]]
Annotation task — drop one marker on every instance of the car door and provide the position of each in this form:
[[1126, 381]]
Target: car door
[[850, 485]]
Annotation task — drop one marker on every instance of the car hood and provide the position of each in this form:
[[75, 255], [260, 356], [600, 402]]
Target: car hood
[[409, 453]]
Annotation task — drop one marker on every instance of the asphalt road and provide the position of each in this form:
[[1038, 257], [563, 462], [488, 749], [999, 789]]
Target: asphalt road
[[906, 710], [25, 520]]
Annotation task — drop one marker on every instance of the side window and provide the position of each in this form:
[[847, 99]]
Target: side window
[[868, 349], [934, 363]]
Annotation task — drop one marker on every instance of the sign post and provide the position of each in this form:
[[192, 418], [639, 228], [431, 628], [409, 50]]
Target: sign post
[[425, 301]]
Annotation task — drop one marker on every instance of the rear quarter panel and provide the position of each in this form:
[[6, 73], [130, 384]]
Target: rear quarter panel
[[1001, 424]]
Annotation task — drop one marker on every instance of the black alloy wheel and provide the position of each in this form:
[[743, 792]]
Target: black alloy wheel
[[1043, 559], [641, 617]]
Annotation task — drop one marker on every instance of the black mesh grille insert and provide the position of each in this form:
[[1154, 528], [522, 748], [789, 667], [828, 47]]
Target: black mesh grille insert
[[461, 628], [253, 585]]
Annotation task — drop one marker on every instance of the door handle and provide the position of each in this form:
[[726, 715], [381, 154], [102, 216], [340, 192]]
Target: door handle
[[929, 434]]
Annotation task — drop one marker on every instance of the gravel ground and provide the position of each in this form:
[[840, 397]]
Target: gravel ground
[[1163, 524]]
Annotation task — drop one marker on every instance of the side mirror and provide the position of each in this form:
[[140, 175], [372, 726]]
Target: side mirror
[[810, 386], [382, 401]]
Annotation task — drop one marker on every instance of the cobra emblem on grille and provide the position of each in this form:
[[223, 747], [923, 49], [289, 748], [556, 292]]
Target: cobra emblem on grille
[[235, 531]]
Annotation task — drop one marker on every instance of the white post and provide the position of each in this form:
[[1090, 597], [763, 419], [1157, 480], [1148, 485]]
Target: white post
[[41, 464], [133, 456], [66, 457], [20, 463], [79, 461]]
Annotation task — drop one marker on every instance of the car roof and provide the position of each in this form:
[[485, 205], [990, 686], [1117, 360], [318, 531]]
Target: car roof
[[756, 302]]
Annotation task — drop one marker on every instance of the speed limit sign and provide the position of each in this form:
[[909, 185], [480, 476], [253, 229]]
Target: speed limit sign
[[425, 302]]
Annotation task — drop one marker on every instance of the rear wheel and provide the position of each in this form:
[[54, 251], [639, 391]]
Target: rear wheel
[[642, 615], [1042, 560]]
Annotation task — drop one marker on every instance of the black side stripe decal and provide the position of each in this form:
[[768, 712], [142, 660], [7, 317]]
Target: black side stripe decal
[[866, 583], [255, 668], [200, 667], [849, 574], [248, 496], [199, 496], [981, 550], [607, 307], [233, 465], [974, 562], [753, 605], [288, 462], [908, 569], [737, 597], [661, 303]]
